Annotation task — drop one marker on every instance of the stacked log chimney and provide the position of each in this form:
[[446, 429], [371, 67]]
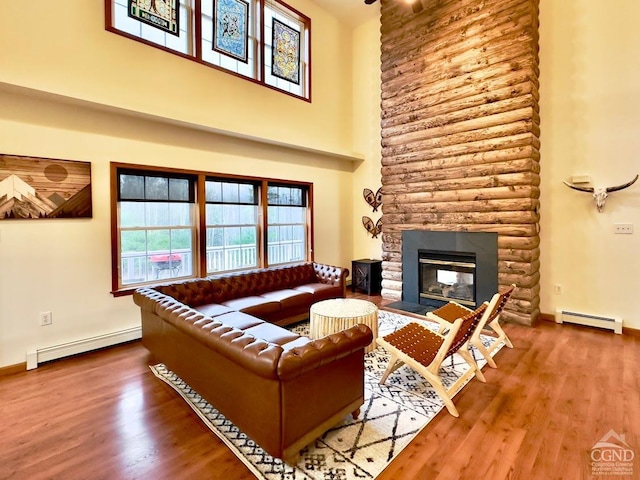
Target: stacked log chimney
[[460, 133]]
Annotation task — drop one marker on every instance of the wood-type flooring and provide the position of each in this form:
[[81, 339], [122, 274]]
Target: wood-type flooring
[[104, 415]]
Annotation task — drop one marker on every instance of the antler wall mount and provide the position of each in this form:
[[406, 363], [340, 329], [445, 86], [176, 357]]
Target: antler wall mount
[[600, 193]]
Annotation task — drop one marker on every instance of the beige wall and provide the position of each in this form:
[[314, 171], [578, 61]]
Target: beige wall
[[66, 87], [590, 114], [63, 48], [366, 131]]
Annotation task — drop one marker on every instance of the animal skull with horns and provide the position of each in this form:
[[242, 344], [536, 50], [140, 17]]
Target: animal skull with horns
[[600, 193]]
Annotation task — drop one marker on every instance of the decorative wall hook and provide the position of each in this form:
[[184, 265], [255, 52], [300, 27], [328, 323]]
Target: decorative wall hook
[[373, 199], [600, 193], [373, 229]]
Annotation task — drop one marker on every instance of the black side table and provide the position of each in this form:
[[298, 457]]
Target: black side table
[[367, 275]]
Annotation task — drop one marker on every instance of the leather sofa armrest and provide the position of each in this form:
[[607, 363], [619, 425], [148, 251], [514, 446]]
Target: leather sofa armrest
[[332, 275], [252, 353], [147, 298], [303, 359]]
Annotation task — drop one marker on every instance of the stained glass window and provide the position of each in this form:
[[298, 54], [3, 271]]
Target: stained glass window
[[231, 28], [162, 14], [285, 53], [265, 41]]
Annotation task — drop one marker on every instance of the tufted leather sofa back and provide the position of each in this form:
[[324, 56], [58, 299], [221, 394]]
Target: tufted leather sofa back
[[252, 353], [221, 288], [266, 359], [194, 292]]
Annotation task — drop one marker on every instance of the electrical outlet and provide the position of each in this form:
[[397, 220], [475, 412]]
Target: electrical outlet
[[624, 228], [558, 289], [46, 318]]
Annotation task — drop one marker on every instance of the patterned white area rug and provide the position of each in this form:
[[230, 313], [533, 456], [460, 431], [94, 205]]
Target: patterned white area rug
[[392, 415]]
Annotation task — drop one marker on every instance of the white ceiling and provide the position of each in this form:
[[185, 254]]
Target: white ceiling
[[350, 12]]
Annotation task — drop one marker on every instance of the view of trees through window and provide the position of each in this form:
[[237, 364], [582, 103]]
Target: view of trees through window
[[158, 218], [158, 225], [287, 224], [232, 225]]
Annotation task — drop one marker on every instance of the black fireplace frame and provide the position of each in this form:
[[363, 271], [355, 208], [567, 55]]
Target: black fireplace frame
[[483, 244]]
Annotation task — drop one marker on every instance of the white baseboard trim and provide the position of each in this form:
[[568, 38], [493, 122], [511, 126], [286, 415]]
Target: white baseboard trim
[[610, 323], [35, 357]]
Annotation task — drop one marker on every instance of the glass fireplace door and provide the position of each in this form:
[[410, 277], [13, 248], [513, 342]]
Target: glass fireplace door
[[448, 277]]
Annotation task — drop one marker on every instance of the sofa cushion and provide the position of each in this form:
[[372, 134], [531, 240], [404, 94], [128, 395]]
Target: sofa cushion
[[289, 298], [238, 320], [320, 291], [254, 305], [271, 333], [213, 309]]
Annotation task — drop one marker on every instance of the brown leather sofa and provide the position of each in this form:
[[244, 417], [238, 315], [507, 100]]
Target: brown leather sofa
[[280, 295], [281, 389]]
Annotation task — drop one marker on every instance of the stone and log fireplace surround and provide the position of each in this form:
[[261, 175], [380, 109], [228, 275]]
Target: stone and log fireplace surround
[[460, 138]]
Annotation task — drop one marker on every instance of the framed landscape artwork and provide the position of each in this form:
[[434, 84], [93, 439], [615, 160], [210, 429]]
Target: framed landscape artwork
[[162, 14], [230, 28], [36, 188], [285, 52]]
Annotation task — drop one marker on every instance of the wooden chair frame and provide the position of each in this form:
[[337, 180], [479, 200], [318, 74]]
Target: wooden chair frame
[[454, 338], [488, 325]]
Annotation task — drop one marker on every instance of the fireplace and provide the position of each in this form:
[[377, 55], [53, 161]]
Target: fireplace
[[447, 276], [438, 267]]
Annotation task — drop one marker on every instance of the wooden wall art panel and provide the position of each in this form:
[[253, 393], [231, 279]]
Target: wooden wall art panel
[[460, 133], [38, 188]]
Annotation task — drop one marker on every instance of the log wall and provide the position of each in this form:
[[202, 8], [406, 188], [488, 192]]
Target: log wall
[[460, 133]]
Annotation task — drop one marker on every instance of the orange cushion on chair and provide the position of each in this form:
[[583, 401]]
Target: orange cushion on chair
[[451, 312], [416, 341]]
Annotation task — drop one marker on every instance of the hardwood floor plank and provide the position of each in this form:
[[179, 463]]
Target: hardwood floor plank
[[104, 415]]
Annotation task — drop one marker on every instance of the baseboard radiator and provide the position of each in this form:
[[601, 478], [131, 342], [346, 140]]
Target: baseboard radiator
[[35, 357], [609, 323]]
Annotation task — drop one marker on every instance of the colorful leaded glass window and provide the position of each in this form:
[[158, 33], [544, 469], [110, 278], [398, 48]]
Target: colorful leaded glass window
[[265, 41]]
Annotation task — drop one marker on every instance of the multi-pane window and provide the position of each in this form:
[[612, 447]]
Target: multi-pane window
[[287, 230], [170, 223], [173, 33], [156, 227], [285, 49], [232, 225], [231, 41], [265, 41]]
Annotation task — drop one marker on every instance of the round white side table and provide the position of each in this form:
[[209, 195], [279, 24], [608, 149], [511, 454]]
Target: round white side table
[[337, 314]]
